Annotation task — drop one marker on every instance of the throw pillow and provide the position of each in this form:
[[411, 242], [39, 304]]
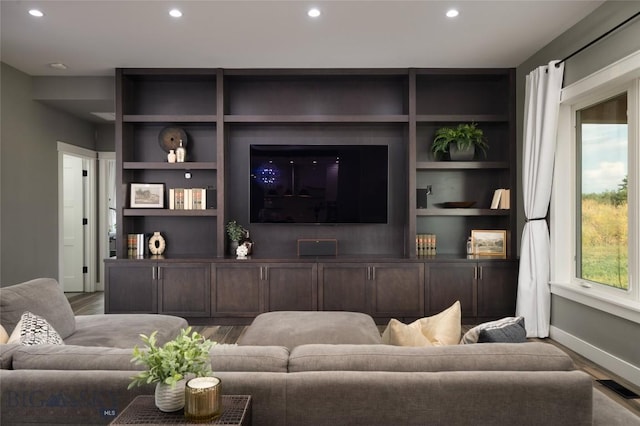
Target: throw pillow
[[511, 333], [505, 330], [3, 335], [34, 330], [438, 330]]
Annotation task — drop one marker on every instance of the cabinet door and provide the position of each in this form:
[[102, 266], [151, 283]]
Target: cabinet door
[[130, 288], [497, 288], [291, 286], [343, 287], [397, 290], [237, 290], [184, 289], [448, 282]]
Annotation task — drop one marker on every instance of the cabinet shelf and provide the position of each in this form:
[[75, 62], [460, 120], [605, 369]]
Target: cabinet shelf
[[358, 118], [461, 165], [462, 212], [168, 212], [158, 165], [172, 118], [480, 118]]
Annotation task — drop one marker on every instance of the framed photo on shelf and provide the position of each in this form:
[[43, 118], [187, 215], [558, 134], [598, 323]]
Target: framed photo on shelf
[[489, 242], [147, 195]]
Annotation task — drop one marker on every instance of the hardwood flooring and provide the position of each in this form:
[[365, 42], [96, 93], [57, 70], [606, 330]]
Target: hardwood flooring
[[93, 303]]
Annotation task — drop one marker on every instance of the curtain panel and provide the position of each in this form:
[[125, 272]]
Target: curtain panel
[[542, 103]]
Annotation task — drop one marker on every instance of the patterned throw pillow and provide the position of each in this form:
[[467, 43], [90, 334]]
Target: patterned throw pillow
[[505, 330], [34, 330]]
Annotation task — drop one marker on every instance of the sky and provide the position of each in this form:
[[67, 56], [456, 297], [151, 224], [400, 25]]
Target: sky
[[604, 157]]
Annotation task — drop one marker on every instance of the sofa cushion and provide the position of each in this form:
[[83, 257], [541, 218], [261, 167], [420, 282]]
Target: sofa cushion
[[71, 357], [533, 356], [34, 330], [294, 328], [273, 359], [43, 297], [123, 330], [437, 330], [473, 335]]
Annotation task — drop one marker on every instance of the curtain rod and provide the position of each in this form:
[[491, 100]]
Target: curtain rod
[[598, 39]]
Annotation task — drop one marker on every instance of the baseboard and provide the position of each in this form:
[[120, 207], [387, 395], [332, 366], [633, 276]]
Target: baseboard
[[612, 363]]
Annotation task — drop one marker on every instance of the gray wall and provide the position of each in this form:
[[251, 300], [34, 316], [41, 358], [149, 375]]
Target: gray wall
[[29, 178], [588, 324]]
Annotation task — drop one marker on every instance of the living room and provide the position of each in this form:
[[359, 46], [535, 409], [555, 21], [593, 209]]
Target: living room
[[31, 128]]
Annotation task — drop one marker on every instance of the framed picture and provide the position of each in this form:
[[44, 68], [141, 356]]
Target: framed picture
[[147, 195], [489, 242]]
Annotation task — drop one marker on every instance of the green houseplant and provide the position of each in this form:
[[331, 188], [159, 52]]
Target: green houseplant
[[236, 233], [464, 138], [169, 365]]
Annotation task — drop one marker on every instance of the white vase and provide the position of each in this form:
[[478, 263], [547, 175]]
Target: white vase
[[170, 398]]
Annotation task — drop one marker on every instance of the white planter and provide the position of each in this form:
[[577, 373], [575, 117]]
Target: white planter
[[170, 398]]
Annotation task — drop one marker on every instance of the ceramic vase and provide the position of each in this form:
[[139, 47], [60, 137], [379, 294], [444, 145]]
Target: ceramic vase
[[170, 398]]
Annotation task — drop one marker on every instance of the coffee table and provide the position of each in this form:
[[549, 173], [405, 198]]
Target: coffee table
[[236, 411]]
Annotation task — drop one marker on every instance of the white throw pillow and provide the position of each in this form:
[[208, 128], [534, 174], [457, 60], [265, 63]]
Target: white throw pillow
[[3, 335], [34, 330], [438, 330]]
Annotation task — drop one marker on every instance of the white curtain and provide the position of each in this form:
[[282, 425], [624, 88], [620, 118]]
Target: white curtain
[[542, 101], [111, 194]]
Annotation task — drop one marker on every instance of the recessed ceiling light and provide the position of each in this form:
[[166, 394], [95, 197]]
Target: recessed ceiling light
[[314, 13], [58, 65], [452, 13], [175, 13], [37, 13]]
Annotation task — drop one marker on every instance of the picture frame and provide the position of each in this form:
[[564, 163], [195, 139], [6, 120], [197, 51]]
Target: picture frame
[[146, 195], [489, 242]]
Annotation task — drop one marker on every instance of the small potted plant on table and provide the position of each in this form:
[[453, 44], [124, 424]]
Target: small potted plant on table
[[459, 142], [169, 366], [236, 233]]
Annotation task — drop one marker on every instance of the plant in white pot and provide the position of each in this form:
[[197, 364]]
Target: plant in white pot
[[169, 366], [236, 233], [459, 142]]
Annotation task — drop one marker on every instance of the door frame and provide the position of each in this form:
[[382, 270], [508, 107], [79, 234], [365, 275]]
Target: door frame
[[89, 160]]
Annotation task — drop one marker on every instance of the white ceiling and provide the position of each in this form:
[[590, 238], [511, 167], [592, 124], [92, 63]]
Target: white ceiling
[[92, 37]]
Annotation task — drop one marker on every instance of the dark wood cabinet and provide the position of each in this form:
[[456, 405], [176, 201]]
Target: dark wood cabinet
[[238, 290], [486, 289], [184, 289], [291, 286], [380, 289], [130, 287], [497, 289]]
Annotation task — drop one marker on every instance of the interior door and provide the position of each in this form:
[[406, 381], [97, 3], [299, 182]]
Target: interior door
[[73, 233]]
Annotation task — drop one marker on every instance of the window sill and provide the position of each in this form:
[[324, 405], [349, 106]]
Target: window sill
[[597, 299]]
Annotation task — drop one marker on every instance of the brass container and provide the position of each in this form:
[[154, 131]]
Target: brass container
[[203, 399]]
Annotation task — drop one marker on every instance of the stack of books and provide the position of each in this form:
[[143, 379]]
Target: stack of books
[[426, 244], [501, 199], [136, 245], [187, 199]]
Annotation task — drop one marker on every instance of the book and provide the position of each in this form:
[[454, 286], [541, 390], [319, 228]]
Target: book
[[497, 195], [505, 199]]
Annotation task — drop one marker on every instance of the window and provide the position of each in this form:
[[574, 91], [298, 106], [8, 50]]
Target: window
[[595, 212], [602, 246]]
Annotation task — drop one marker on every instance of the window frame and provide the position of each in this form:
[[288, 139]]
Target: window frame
[[622, 76]]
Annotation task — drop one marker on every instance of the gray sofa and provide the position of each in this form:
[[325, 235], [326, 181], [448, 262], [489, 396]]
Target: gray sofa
[[308, 378]]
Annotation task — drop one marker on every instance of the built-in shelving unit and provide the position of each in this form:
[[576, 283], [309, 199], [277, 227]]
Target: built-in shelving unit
[[224, 112]]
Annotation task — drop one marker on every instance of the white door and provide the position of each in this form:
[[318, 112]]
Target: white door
[[73, 233]]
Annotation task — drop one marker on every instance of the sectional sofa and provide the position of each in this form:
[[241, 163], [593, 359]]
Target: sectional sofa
[[310, 378]]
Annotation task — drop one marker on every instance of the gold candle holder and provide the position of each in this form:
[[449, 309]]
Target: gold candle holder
[[203, 399]]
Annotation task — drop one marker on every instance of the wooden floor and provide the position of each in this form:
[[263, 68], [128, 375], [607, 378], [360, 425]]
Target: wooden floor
[[93, 303]]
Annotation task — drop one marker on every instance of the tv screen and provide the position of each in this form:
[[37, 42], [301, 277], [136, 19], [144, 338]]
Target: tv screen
[[318, 183]]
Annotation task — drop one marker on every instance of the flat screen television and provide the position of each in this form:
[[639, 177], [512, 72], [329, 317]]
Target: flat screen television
[[318, 183]]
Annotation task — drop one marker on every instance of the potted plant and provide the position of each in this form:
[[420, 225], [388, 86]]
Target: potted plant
[[169, 365], [459, 142], [236, 233]]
